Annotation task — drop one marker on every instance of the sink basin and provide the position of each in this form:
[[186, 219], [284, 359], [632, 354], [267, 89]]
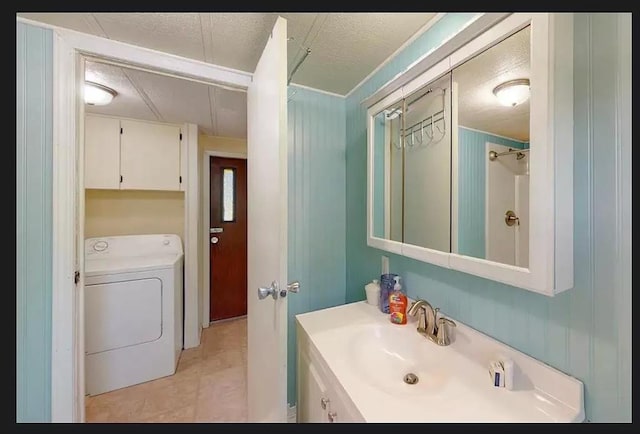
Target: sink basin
[[383, 355]]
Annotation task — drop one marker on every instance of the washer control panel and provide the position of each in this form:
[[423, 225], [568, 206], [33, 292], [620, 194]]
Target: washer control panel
[[133, 245], [100, 246]]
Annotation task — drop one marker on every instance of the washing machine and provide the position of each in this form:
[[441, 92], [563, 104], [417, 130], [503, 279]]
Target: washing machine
[[133, 309]]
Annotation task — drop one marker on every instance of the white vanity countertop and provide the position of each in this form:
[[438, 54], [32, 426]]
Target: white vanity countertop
[[454, 383]]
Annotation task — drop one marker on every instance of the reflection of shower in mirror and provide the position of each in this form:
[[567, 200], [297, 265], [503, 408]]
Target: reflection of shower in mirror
[[507, 190], [520, 153]]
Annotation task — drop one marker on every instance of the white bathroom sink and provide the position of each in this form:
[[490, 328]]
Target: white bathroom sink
[[384, 355], [369, 356]]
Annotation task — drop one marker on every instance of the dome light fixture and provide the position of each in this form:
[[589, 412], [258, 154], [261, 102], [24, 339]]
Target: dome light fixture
[[513, 92], [98, 94]]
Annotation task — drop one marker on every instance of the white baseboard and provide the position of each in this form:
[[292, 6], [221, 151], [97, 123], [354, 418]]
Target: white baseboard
[[291, 414]]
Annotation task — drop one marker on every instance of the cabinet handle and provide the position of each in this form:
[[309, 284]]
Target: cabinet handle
[[324, 402], [332, 415]]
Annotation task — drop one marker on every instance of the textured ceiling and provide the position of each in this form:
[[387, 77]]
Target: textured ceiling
[[154, 97], [478, 107], [345, 47]]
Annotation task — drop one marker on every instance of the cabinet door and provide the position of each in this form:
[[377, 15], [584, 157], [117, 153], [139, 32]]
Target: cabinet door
[[339, 411], [311, 392], [150, 156], [101, 152]]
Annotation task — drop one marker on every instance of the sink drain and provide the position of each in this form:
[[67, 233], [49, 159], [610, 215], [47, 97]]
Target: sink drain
[[411, 378]]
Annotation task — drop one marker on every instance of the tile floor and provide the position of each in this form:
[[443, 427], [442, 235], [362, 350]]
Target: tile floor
[[209, 385]]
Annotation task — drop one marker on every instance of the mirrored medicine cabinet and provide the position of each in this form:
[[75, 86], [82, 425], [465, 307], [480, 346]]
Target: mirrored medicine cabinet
[[470, 158]]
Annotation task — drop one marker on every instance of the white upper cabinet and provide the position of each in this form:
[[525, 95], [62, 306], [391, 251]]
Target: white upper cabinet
[[127, 154], [150, 156], [470, 154], [102, 152]]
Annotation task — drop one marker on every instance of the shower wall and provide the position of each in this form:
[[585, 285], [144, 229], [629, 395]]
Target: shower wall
[[471, 188], [507, 186]]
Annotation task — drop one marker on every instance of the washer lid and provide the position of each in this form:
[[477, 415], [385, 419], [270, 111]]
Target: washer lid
[[98, 266]]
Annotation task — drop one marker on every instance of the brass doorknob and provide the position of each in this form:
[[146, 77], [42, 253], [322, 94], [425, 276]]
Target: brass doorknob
[[510, 218]]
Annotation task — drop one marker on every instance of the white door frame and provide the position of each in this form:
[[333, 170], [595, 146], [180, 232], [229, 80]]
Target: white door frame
[[67, 352], [206, 206]]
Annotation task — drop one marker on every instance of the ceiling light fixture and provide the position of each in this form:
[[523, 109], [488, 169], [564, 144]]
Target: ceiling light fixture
[[514, 92], [97, 94]]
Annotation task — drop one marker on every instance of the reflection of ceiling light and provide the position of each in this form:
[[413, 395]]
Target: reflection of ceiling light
[[512, 93], [97, 94]]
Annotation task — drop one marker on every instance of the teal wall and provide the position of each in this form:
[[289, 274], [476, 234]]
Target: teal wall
[[34, 146], [471, 188], [317, 212], [585, 331]]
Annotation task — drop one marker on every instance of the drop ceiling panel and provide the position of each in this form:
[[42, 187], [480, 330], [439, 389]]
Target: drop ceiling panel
[[231, 113], [351, 45], [176, 100], [478, 106], [175, 33], [237, 39], [302, 28], [127, 103], [82, 22], [142, 95], [346, 47]]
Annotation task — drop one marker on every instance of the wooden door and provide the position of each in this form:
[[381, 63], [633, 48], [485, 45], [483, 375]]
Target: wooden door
[[228, 240]]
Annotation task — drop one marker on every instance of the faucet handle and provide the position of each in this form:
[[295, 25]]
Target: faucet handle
[[442, 320], [442, 337]]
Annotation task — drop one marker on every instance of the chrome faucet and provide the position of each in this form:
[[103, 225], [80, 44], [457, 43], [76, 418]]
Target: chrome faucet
[[426, 316], [429, 325]]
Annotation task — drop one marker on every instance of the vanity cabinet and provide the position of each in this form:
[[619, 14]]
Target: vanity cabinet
[[321, 399], [126, 154], [312, 405]]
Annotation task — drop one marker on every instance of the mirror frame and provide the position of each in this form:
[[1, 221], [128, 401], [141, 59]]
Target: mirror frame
[[550, 268]]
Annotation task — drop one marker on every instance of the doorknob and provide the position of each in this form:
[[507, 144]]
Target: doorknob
[[274, 290], [271, 291], [214, 240], [510, 218], [324, 402], [292, 287]]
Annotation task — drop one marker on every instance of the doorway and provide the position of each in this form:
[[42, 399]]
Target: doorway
[[136, 166], [228, 238], [266, 104]]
